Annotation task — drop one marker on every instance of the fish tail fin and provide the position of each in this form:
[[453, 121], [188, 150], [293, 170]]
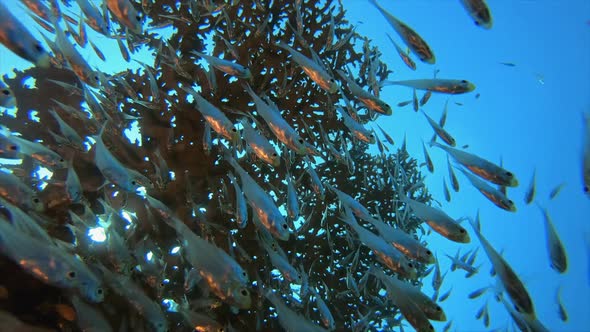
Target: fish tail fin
[[386, 83], [435, 143]]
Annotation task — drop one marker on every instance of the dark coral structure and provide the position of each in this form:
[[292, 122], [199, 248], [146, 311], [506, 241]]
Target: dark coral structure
[[200, 193]]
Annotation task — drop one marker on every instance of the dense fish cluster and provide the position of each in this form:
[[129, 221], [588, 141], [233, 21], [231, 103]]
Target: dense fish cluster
[[248, 200]]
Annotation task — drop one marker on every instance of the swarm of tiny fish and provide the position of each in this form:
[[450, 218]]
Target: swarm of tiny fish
[[251, 201]]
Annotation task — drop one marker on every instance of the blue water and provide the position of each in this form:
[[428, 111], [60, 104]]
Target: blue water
[[529, 115]]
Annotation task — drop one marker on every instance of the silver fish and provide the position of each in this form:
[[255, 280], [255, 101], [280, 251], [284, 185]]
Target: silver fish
[[19, 40], [49, 263], [555, 248]]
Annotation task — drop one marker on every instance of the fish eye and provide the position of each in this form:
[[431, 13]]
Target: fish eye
[[438, 308], [134, 182], [461, 231], [162, 285], [464, 81], [332, 80], [99, 291], [6, 92], [300, 140], [13, 147], [71, 274], [516, 308], [36, 200], [410, 265], [244, 273], [244, 292], [39, 48], [509, 174], [274, 154], [234, 130], [138, 17], [96, 78], [284, 226], [428, 252], [510, 202], [61, 160]]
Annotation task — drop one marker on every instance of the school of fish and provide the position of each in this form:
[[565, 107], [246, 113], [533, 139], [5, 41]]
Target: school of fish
[[289, 219]]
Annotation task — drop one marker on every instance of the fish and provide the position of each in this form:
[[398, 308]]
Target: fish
[[292, 199], [529, 195], [277, 124], [123, 49], [425, 98], [49, 263], [561, 312], [438, 220], [206, 141], [226, 66], [555, 248], [126, 14], [261, 203], [113, 170], [314, 70], [325, 314], [316, 183], [370, 101], [224, 276], [445, 296], [89, 318], [452, 176], [15, 36], [479, 11], [404, 300], [68, 132], [93, 17], [448, 86], [357, 130], [260, 145], [216, 118], [440, 131], [416, 44], [388, 138], [241, 210], [481, 167], [492, 194], [77, 63], [7, 98], [282, 264], [290, 320], [386, 253], [508, 64], [509, 279], [415, 102], [132, 293], [405, 57], [446, 191], [586, 155], [403, 242], [74, 189], [429, 163], [198, 321], [478, 292], [555, 191], [13, 190]]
